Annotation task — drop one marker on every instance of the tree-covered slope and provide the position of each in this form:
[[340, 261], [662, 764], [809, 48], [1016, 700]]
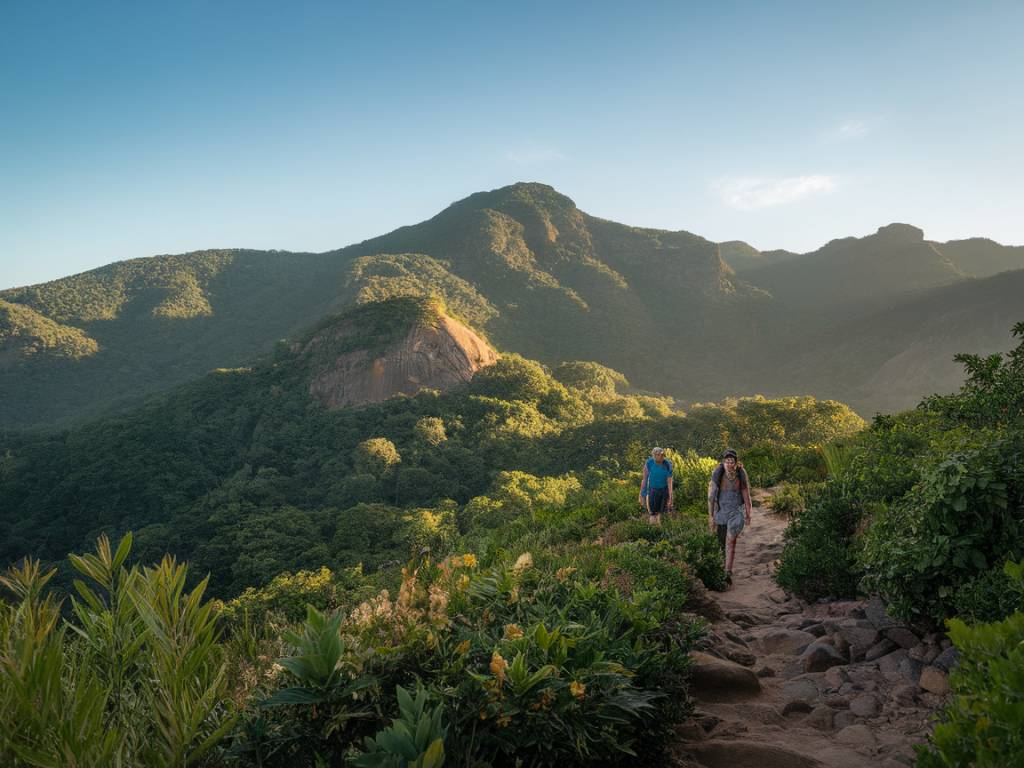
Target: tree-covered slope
[[521, 263], [247, 473]]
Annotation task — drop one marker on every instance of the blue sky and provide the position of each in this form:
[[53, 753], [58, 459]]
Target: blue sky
[[139, 128]]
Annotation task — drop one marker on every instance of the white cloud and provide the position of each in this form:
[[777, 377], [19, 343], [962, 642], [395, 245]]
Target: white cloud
[[533, 155], [850, 130], [748, 193]]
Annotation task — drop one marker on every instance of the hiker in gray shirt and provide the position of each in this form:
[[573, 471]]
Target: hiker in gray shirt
[[728, 505]]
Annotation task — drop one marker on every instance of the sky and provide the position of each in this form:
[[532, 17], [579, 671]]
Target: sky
[[132, 129]]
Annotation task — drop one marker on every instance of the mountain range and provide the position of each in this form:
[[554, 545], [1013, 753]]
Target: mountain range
[[872, 321]]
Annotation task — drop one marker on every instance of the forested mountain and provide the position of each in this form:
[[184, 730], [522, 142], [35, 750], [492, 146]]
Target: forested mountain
[[524, 267], [251, 471]]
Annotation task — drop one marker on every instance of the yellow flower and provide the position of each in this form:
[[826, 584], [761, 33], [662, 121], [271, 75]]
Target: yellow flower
[[523, 563], [498, 666], [563, 573], [463, 581], [513, 632], [463, 647], [503, 721], [469, 560], [578, 689]]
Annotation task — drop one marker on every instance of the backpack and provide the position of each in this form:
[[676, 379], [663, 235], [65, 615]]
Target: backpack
[[719, 473]]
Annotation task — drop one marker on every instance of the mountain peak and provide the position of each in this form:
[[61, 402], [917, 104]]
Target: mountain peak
[[897, 231]]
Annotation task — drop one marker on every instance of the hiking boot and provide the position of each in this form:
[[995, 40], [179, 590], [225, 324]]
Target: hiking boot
[[728, 578]]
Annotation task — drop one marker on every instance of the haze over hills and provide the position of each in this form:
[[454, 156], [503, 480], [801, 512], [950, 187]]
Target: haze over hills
[[526, 268]]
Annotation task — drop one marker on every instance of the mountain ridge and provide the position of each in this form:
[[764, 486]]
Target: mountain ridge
[[520, 264]]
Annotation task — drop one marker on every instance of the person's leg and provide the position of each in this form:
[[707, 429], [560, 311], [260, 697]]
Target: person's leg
[[730, 552], [722, 531], [656, 500]]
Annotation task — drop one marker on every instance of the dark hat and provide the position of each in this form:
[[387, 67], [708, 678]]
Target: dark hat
[[729, 452]]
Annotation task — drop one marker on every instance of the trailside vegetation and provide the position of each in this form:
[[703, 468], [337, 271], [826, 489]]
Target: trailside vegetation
[[926, 508]]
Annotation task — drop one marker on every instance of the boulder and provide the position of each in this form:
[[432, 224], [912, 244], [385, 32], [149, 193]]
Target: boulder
[[947, 659], [876, 613], [739, 655], [911, 669], [902, 636], [713, 679], [836, 676], [819, 656], [934, 680], [800, 690], [786, 641], [859, 639], [889, 666], [864, 705], [879, 649]]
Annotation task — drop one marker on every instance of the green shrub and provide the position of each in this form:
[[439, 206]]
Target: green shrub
[[818, 559], [990, 596], [982, 723], [955, 525], [140, 680], [787, 500]]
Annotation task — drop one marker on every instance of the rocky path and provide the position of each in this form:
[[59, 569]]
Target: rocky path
[[783, 684]]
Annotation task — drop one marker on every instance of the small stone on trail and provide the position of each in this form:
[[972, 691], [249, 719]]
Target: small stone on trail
[[881, 648], [934, 680], [902, 636], [719, 680], [800, 690], [765, 672], [864, 706], [734, 637], [740, 655], [820, 655], [836, 676], [796, 706], [786, 641], [856, 736], [889, 665], [859, 639]]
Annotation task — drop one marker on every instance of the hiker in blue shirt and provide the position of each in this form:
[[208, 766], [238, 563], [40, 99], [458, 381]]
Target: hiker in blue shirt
[[656, 485]]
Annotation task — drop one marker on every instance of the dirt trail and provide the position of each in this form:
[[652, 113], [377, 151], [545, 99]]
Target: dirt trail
[[784, 684]]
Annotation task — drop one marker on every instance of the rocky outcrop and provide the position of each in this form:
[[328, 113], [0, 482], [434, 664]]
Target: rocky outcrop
[[438, 352]]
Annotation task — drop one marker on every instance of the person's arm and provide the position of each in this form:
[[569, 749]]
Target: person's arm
[[670, 490], [643, 483], [712, 501], [746, 500]]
